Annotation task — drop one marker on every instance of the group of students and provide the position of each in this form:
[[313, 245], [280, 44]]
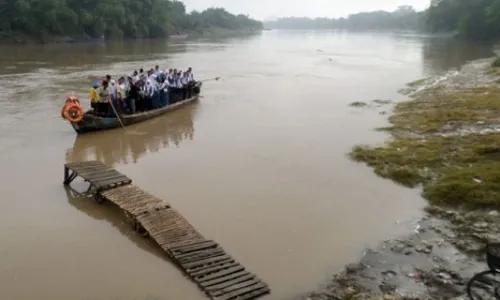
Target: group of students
[[142, 91]]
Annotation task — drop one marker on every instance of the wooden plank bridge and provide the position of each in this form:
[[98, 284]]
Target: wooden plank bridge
[[204, 261]]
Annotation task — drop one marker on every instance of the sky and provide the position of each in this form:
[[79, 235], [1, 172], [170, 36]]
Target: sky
[[268, 9]]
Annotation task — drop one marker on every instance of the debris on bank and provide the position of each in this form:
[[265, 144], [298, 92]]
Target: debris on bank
[[446, 138], [434, 262]]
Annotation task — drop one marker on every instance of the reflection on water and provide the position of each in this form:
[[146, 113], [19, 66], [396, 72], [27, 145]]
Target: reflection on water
[[111, 214], [442, 54], [129, 144]]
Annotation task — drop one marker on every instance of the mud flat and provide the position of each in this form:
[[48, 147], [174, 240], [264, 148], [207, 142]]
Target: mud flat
[[445, 140]]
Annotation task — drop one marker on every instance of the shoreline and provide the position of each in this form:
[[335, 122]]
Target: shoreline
[[445, 148], [54, 40]]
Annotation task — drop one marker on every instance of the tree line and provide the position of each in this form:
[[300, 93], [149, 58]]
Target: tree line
[[39, 19], [478, 19], [472, 19], [405, 17]]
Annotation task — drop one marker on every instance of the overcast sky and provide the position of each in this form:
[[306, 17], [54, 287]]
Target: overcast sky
[[263, 9]]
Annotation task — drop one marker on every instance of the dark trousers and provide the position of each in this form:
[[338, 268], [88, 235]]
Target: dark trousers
[[163, 98], [103, 108], [131, 105], [148, 103], [156, 100]]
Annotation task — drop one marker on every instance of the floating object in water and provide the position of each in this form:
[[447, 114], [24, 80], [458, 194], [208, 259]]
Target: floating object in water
[[72, 110]]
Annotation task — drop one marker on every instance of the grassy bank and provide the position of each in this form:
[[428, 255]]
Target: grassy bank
[[448, 141]]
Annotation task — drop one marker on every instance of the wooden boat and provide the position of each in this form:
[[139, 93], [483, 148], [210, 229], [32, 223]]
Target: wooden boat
[[92, 122]]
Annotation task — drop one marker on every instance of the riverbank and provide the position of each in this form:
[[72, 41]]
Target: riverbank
[[445, 140], [212, 32]]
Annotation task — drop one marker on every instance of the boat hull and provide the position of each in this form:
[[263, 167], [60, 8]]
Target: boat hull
[[91, 123]]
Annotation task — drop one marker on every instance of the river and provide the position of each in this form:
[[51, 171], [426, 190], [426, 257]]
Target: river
[[259, 164]]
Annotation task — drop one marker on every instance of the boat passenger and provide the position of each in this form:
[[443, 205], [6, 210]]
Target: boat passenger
[[176, 93], [104, 98], [191, 76], [163, 90], [149, 91], [132, 96], [185, 85], [94, 96], [114, 96], [170, 77], [121, 95], [178, 82]]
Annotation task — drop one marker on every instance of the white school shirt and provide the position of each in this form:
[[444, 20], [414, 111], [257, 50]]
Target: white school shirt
[[178, 82], [112, 88], [164, 85], [184, 80], [149, 89]]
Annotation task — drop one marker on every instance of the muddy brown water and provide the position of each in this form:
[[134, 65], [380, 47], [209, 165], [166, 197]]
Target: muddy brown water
[[259, 164]]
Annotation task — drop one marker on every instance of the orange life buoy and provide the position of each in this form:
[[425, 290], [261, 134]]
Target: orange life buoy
[[72, 110]]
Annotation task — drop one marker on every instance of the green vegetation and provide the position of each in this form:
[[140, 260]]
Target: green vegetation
[[438, 144], [478, 19], [495, 64], [358, 104], [405, 17], [43, 19]]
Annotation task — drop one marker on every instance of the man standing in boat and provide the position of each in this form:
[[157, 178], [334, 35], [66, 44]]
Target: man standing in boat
[[120, 95], [132, 95], [94, 96], [104, 99], [185, 85], [192, 82]]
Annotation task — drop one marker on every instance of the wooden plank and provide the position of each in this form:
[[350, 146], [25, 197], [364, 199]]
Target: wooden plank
[[132, 201], [167, 231], [223, 279], [255, 294], [200, 256], [212, 269], [234, 286], [192, 265], [111, 183], [249, 277], [167, 242], [220, 274], [177, 248], [84, 168], [207, 251], [98, 174], [84, 163], [243, 291], [116, 177], [201, 246], [93, 172]]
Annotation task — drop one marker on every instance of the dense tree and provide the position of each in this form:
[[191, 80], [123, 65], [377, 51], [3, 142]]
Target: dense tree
[[405, 17], [478, 19], [110, 18]]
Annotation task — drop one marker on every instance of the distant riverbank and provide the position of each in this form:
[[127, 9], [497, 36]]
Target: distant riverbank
[[446, 139], [212, 32]]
